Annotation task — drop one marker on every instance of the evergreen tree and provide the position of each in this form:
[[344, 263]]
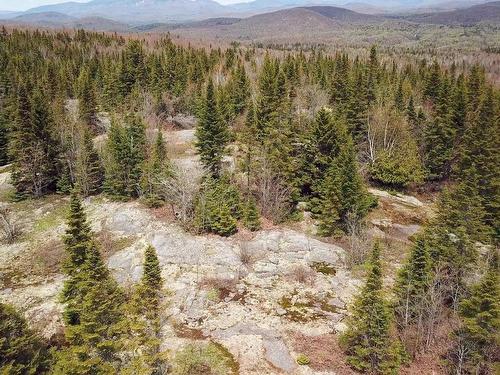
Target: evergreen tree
[[32, 147], [217, 207], [212, 134], [89, 170], [251, 217], [367, 340], [93, 346], [77, 241], [141, 327], [4, 137], [480, 157], [126, 148], [433, 82], [157, 167], [22, 351], [477, 339], [87, 106], [412, 283], [439, 137], [342, 194]]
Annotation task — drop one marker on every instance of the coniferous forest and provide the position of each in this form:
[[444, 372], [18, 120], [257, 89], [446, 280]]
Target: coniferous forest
[[281, 138]]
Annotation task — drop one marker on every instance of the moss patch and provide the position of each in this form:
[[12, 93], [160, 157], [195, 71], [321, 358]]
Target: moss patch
[[202, 359], [324, 268], [306, 308]]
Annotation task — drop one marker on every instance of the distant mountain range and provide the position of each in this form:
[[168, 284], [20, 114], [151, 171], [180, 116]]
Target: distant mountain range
[[140, 12], [238, 21]]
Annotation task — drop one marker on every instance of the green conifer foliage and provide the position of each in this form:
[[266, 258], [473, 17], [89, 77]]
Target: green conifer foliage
[[412, 283], [342, 194], [32, 147], [87, 106], [218, 207], [480, 157], [367, 340], [89, 169], [212, 134], [157, 167], [251, 217], [22, 351], [439, 136], [477, 339], [126, 149], [77, 240]]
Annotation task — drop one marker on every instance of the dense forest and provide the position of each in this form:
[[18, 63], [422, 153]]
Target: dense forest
[[82, 114]]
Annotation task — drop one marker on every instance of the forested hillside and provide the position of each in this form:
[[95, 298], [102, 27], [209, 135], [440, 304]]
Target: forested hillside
[[283, 138]]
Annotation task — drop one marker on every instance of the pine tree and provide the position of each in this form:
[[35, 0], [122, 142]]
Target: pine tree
[[342, 194], [480, 157], [141, 327], [4, 136], [22, 351], [126, 148], [412, 283], [33, 148], [477, 339], [367, 340], [239, 89], [89, 170], [157, 168], [77, 241], [87, 106], [93, 346], [433, 82], [251, 217], [439, 136], [217, 207], [212, 134]]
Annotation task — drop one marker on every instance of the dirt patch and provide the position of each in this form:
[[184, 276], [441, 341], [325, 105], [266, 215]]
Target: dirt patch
[[323, 351]]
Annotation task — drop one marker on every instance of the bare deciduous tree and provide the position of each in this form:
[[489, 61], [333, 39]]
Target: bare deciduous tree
[[10, 229], [272, 194], [180, 191]]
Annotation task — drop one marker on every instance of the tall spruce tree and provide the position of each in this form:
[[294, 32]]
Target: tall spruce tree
[[89, 174], [413, 281], [77, 240], [476, 351], [33, 148], [212, 134], [367, 340], [439, 136], [22, 351]]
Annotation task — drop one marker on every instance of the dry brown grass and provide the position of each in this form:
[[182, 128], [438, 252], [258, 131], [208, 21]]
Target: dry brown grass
[[301, 274], [323, 351], [223, 286]]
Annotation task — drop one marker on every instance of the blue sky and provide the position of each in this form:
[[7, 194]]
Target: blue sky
[[26, 4]]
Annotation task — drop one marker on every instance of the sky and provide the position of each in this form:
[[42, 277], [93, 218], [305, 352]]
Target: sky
[[27, 4]]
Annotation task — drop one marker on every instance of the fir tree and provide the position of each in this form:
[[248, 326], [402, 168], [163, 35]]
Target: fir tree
[[77, 241], [342, 194], [251, 217], [22, 351], [32, 147], [367, 340], [212, 134], [89, 170], [157, 168], [87, 106], [412, 283], [477, 339], [141, 327], [480, 157], [439, 137]]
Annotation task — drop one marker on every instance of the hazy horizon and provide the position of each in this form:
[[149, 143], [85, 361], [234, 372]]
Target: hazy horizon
[[21, 5]]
